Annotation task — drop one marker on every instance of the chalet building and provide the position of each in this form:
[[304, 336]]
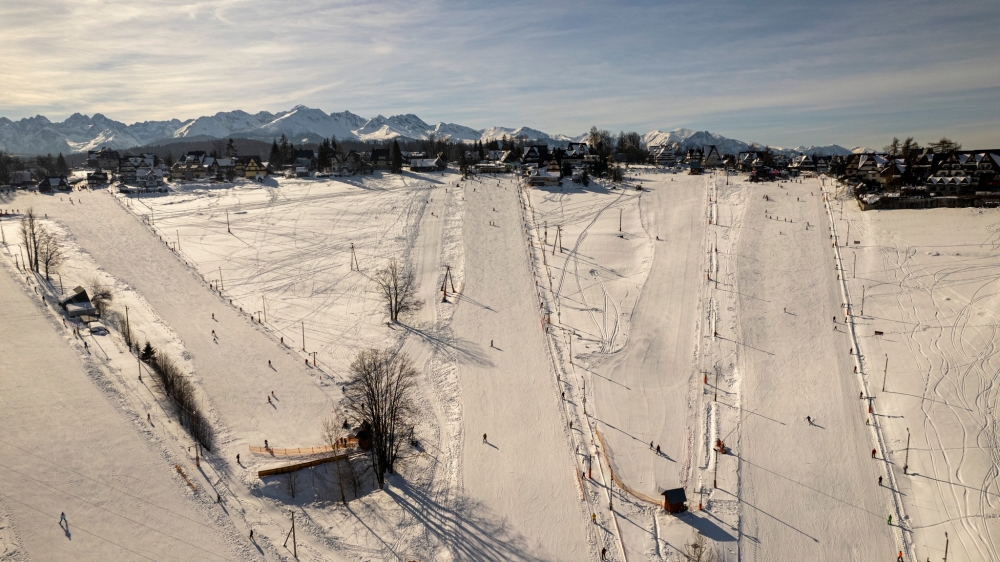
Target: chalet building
[[712, 158], [802, 164], [536, 154], [891, 175], [306, 158], [965, 172], [664, 155], [104, 158], [149, 177], [193, 166], [53, 182], [427, 164], [380, 159], [252, 166], [97, 179], [540, 178], [576, 153], [694, 155], [128, 165]]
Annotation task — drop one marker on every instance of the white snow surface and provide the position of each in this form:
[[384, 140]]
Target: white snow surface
[[691, 311]]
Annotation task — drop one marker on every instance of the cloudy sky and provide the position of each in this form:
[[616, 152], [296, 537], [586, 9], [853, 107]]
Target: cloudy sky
[[782, 73]]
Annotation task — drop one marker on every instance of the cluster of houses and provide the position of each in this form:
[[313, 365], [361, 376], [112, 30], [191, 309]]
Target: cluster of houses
[[957, 178], [965, 177]]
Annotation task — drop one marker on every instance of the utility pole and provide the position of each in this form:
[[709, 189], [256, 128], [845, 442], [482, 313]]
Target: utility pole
[[946, 546], [855, 274], [354, 259], [227, 222], [263, 306], [314, 357], [3, 235], [178, 240], [291, 533], [126, 320], [885, 373], [61, 290], [220, 278], [862, 300], [303, 336], [620, 219], [906, 460]]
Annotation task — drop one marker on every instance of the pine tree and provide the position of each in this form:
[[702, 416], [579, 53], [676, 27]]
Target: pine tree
[[147, 353], [396, 158], [230, 149], [275, 157], [169, 159], [62, 168]]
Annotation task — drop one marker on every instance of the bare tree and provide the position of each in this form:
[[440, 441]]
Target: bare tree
[[101, 296], [291, 483], [398, 285], [699, 550], [49, 252], [332, 433], [30, 233], [380, 397]]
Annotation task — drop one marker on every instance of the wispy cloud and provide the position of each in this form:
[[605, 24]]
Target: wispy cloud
[[779, 72]]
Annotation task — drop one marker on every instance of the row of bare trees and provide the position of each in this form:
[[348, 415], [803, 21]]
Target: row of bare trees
[[44, 253]]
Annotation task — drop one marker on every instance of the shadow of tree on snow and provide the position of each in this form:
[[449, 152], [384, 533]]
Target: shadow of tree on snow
[[443, 341], [464, 527]]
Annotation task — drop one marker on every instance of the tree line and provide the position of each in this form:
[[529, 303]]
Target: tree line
[[41, 166]]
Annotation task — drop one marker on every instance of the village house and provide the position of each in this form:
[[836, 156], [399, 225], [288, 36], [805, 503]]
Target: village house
[[103, 158], [379, 159], [128, 165], [694, 155], [192, 166], [53, 182], [712, 158], [97, 179], [664, 155], [535, 154], [253, 168], [427, 164]]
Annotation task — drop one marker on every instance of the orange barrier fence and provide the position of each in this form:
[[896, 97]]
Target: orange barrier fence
[[347, 443], [618, 481]]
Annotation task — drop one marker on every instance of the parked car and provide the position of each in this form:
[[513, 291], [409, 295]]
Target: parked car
[[97, 328]]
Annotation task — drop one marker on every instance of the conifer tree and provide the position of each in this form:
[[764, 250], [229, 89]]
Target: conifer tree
[[396, 158]]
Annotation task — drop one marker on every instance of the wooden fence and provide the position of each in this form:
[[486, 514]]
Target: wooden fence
[[300, 465]]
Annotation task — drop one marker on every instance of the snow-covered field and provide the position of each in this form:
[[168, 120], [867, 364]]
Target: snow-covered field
[[588, 327], [929, 284]]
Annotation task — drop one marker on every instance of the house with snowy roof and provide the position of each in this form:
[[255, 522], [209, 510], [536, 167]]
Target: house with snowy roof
[[53, 182], [535, 154], [712, 158], [664, 155], [97, 178]]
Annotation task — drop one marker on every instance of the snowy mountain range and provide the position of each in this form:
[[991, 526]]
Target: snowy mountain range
[[79, 133]]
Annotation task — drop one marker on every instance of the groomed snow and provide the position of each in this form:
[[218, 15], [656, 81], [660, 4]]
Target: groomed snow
[[691, 311]]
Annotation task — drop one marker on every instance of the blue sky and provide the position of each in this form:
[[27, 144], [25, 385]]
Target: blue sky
[[781, 73]]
